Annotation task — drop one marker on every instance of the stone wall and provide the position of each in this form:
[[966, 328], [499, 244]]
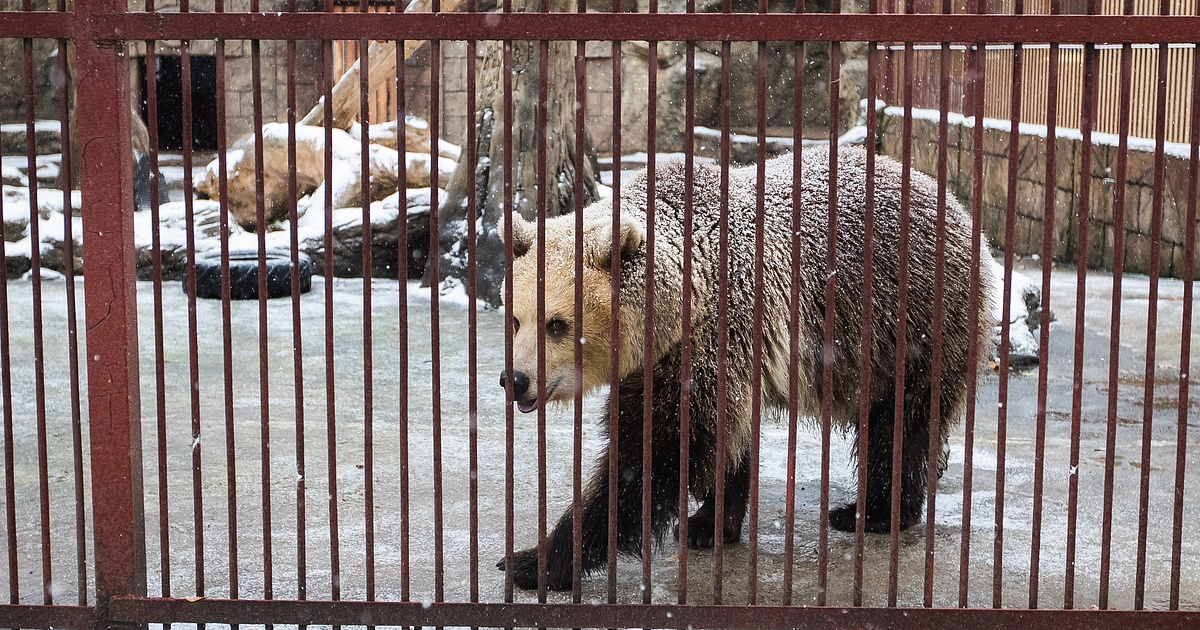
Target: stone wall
[[1068, 185]]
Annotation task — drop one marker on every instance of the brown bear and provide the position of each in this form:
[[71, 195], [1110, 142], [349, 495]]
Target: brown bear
[[961, 327]]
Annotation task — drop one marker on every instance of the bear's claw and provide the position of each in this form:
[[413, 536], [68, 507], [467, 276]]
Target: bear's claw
[[525, 572]]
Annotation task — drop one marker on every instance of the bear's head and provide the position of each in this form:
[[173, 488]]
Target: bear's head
[[562, 247]]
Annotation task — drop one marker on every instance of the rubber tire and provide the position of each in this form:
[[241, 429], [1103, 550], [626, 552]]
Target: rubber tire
[[243, 274]]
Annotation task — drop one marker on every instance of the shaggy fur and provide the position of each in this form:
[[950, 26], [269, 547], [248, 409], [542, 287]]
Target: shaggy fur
[[960, 328]]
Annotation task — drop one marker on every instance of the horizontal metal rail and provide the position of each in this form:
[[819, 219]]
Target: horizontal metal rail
[[30, 616], [154, 610], [604, 27]]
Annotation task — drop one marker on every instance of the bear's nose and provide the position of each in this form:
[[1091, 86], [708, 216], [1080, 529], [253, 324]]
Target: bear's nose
[[520, 384]]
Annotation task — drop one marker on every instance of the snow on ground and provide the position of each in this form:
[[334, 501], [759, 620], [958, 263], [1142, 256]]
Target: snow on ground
[[335, 420]]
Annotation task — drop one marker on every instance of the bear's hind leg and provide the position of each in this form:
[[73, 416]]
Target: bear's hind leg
[[913, 468], [702, 525]]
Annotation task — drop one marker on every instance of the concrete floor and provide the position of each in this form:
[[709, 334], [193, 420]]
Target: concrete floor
[[348, 439]]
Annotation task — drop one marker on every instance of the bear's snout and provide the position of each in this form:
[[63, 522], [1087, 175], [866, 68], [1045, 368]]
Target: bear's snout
[[520, 383]]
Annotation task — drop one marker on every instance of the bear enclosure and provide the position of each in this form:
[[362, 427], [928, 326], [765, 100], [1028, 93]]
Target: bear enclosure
[[344, 457]]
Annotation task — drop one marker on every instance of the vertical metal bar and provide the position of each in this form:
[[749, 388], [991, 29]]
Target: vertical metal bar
[[578, 340], [6, 399], [799, 64], [1039, 450], [1114, 347], [901, 360], [685, 380], [402, 333], [335, 564], [297, 324], [864, 377], [939, 315], [1010, 228], [72, 310], [364, 93], [264, 392], [226, 317], [39, 354], [615, 329], [1160, 133], [901, 324], [164, 530], [114, 412], [1087, 123], [509, 331], [977, 78], [543, 103], [935, 394], [789, 526], [759, 290], [435, 330], [648, 339], [1185, 343], [721, 455], [472, 315], [193, 318], [831, 269]]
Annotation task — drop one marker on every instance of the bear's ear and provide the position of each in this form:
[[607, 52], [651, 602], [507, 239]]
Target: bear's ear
[[599, 243], [522, 235]]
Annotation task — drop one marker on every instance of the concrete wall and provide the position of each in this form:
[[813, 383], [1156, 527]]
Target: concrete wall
[[1068, 185]]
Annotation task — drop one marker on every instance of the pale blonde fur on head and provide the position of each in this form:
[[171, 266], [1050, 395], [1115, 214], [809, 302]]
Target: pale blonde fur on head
[[560, 284]]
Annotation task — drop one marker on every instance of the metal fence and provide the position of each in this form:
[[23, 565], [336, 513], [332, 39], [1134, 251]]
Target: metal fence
[[336, 459]]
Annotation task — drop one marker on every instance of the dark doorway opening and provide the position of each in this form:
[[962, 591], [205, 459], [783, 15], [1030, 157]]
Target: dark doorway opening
[[168, 76]]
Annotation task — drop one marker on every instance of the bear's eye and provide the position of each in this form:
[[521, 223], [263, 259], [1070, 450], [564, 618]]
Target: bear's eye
[[516, 325], [556, 328]]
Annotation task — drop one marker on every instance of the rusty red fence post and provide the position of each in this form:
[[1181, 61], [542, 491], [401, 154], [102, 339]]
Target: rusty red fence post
[[114, 409]]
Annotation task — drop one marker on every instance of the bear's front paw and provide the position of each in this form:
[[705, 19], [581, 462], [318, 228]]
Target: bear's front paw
[[525, 572], [701, 531]]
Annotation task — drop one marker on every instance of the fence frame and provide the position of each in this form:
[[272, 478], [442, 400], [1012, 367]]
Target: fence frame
[[100, 30]]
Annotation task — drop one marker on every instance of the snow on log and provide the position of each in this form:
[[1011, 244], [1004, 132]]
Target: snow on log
[[416, 137], [310, 172]]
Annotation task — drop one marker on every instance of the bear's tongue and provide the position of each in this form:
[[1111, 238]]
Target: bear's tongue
[[527, 406]]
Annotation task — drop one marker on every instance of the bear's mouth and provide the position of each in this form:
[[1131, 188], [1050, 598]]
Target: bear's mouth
[[531, 404]]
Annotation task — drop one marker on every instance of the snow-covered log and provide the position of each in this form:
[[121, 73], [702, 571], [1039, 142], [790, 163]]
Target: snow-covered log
[[345, 178], [416, 137]]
